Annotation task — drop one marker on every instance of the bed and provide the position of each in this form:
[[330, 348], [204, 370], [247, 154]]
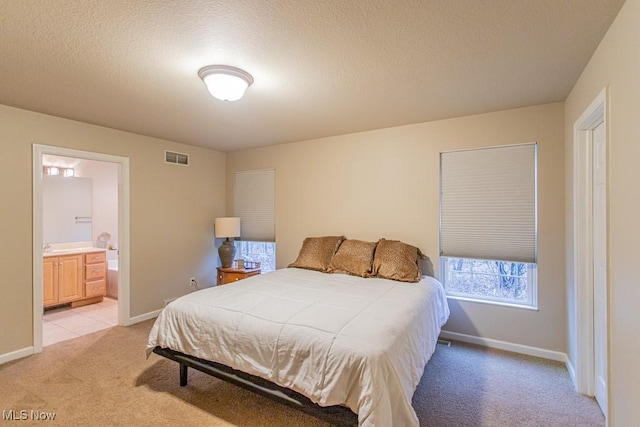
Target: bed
[[338, 339]]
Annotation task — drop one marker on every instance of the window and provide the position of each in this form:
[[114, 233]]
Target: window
[[254, 204], [262, 252], [498, 281], [488, 235]]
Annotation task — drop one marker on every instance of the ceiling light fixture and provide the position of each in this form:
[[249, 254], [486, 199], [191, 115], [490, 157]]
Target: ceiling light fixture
[[54, 170], [51, 170], [225, 82]]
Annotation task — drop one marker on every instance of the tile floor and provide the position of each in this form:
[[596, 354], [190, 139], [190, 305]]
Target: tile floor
[[66, 323]]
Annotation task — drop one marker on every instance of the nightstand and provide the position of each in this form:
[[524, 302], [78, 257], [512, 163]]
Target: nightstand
[[230, 275]]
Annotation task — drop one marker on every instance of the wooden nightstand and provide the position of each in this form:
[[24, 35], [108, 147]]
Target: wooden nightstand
[[230, 275]]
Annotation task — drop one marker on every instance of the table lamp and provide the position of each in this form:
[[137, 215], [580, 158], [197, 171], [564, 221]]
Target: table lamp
[[225, 228]]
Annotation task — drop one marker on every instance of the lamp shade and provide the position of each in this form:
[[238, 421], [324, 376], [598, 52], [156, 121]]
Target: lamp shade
[[227, 227]]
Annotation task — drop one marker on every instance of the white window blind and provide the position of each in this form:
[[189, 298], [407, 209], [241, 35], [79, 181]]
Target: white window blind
[[254, 203], [488, 203]]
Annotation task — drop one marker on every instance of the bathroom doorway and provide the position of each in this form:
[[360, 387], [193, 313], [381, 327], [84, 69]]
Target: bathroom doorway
[[80, 243], [80, 223]]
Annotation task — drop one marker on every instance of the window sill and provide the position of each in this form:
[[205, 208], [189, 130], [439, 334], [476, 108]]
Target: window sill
[[499, 303]]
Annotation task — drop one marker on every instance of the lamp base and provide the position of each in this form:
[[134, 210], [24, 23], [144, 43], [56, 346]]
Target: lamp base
[[227, 252]]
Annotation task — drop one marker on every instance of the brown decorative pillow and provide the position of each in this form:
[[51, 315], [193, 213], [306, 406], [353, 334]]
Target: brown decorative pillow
[[397, 261], [316, 252], [353, 257]]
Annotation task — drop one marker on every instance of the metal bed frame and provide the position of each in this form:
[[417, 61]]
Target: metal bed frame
[[336, 415]]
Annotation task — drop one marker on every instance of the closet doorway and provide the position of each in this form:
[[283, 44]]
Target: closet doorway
[[590, 309]]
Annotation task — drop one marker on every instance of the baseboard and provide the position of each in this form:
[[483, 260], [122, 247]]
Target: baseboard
[[18, 354], [28, 351], [503, 345], [141, 318]]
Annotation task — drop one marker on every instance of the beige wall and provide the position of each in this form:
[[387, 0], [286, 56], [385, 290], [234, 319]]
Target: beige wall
[[172, 212], [385, 183], [615, 65]]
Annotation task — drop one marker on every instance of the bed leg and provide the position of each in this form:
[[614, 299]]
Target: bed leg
[[183, 375]]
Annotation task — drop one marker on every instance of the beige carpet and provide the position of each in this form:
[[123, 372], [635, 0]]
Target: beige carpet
[[104, 379]]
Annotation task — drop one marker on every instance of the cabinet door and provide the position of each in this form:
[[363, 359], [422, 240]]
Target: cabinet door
[[50, 283], [70, 278]]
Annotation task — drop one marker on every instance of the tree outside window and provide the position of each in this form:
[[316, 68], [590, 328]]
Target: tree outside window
[[262, 252], [500, 281]]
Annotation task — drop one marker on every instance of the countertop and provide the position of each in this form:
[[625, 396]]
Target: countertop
[[74, 251]]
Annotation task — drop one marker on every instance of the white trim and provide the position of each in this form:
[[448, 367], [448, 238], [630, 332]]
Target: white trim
[[462, 297], [28, 351], [141, 318], [504, 345], [488, 147], [594, 114], [123, 232], [14, 355], [38, 241], [570, 368]]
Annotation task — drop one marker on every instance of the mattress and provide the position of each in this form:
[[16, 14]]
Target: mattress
[[335, 338]]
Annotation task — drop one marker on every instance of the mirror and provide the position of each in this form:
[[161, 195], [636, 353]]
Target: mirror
[[66, 209]]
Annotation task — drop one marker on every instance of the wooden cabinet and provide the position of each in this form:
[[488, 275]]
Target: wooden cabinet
[[230, 275], [63, 280], [77, 279], [50, 282], [95, 275]]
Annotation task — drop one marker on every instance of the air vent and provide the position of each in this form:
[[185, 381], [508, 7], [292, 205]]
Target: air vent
[[176, 158]]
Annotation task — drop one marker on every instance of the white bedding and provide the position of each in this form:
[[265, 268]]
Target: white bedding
[[335, 338]]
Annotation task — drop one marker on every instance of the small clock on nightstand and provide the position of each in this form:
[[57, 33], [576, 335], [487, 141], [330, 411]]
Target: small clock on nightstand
[[230, 275]]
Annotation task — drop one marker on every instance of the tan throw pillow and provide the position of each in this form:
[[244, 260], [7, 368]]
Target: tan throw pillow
[[353, 257], [316, 252], [396, 260]]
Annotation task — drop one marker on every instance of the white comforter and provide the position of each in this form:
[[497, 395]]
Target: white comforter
[[335, 338]]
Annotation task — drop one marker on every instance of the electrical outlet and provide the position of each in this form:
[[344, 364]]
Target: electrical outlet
[[192, 282]]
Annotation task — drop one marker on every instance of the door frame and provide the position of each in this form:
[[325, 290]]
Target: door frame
[[123, 232], [595, 114]]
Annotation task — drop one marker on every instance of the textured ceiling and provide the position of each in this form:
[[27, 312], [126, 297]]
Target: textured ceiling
[[321, 67]]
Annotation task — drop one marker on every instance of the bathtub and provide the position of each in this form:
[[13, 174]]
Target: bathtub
[[112, 278]]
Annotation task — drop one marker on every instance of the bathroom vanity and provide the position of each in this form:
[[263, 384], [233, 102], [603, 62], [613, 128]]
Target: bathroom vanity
[[76, 276]]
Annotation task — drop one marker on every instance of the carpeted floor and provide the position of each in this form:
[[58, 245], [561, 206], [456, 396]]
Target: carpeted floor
[[103, 379], [468, 385]]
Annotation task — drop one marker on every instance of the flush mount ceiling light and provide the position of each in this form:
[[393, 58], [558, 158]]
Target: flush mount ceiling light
[[225, 82]]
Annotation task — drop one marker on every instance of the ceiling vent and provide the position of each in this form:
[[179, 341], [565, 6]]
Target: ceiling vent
[[176, 158]]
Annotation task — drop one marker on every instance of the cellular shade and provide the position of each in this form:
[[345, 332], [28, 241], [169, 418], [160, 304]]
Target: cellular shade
[[254, 203], [488, 203]]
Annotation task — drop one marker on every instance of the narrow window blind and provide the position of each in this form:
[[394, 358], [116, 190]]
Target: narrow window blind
[[488, 203], [254, 203]]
